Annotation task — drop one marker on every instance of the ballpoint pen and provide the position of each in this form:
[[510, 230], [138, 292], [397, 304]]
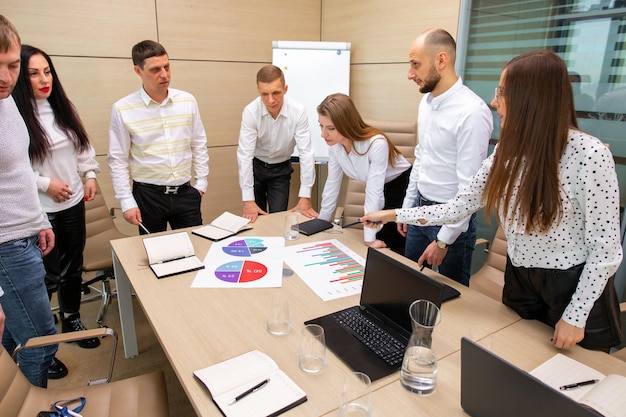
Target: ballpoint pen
[[250, 391], [359, 221], [577, 384], [144, 228]]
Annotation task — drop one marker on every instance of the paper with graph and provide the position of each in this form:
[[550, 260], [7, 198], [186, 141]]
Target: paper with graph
[[329, 268]]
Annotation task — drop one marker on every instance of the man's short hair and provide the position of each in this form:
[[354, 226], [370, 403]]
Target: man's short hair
[[146, 49], [8, 35], [440, 39], [270, 73]]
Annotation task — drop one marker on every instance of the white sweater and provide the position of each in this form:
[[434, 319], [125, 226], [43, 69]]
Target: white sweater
[[21, 215]]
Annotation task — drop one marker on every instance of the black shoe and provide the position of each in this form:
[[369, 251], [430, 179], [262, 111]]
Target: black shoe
[[57, 369], [73, 324]]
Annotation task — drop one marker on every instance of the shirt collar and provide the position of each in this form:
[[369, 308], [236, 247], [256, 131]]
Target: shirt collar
[[147, 99], [435, 102]]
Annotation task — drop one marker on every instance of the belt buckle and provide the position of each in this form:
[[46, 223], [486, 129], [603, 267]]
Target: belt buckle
[[170, 189]]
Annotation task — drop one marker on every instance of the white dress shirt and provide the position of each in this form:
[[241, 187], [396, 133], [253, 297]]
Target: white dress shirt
[[588, 232], [63, 164], [156, 143], [367, 162], [273, 141], [454, 129]]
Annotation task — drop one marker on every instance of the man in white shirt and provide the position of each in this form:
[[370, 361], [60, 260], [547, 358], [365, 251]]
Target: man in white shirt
[[271, 127], [454, 127], [157, 140]]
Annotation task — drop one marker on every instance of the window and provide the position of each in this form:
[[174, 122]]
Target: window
[[590, 36]]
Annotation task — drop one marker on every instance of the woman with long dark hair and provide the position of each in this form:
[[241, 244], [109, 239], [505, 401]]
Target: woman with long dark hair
[[62, 157], [556, 194]]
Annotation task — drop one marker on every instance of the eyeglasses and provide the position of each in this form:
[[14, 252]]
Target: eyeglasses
[[498, 93]]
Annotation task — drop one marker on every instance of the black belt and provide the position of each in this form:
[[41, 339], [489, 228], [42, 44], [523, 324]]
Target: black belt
[[165, 189], [425, 202], [266, 165]]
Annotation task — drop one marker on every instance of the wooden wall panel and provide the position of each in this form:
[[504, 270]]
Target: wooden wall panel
[[83, 28], [383, 91], [93, 85], [240, 31], [216, 48], [222, 90], [382, 31]]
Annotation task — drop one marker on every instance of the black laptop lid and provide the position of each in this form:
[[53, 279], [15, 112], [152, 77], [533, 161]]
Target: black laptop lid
[[390, 286], [492, 387]]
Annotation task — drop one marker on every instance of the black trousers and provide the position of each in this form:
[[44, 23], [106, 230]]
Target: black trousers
[[271, 185], [543, 294], [180, 209], [64, 264], [394, 192]]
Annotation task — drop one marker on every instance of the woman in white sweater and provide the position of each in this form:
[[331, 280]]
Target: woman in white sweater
[[62, 157], [556, 194]]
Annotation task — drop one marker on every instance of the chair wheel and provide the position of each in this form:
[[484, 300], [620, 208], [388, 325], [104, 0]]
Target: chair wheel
[[86, 290]]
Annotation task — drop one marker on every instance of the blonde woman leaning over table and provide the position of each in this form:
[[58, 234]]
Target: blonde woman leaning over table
[[555, 190], [365, 154]]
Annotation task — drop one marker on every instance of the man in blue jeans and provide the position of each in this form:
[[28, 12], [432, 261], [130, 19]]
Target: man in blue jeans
[[454, 126], [25, 233]]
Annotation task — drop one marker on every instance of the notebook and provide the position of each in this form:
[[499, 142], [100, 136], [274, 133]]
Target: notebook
[[493, 387], [389, 288]]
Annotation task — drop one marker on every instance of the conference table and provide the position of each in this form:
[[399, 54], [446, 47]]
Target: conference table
[[198, 327]]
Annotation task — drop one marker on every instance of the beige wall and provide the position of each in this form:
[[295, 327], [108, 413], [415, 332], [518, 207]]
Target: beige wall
[[216, 47]]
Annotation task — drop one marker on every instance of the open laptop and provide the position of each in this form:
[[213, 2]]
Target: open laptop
[[493, 387], [389, 288]]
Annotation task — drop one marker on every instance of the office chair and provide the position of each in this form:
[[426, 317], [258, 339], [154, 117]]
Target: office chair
[[97, 258], [404, 136], [489, 279], [143, 395]]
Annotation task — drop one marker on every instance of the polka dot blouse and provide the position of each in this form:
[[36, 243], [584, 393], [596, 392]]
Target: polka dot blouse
[[588, 232]]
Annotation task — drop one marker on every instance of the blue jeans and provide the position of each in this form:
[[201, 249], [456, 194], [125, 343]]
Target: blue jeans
[[26, 306], [458, 260]]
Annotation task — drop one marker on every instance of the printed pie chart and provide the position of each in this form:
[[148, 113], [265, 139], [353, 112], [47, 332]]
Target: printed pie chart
[[241, 271], [245, 247]]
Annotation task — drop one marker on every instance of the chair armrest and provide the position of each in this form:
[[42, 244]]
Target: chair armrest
[[112, 211], [53, 339], [482, 241]]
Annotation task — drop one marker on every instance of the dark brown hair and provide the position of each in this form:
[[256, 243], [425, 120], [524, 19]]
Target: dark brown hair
[[539, 112], [146, 49]]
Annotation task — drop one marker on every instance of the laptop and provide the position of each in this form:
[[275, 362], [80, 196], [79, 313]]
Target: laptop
[[389, 288], [493, 387]]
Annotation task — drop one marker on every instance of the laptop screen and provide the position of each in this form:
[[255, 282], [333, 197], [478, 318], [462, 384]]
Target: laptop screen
[[492, 387], [390, 286]]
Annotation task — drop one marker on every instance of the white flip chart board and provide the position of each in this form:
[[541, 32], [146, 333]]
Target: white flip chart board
[[313, 70]]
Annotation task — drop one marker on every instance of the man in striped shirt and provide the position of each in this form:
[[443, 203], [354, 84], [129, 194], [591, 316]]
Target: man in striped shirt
[[157, 141]]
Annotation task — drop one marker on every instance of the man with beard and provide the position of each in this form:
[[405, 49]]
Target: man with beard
[[454, 126]]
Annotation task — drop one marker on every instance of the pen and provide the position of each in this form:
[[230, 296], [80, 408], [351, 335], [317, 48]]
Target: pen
[[250, 391], [577, 384], [422, 268], [351, 224], [144, 228]]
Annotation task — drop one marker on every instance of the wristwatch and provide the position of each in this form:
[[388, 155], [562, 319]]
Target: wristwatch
[[440, 244]]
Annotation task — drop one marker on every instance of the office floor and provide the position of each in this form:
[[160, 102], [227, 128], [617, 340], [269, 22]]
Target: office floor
[[85, 364]]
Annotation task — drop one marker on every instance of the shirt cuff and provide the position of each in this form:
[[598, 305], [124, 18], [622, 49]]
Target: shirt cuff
[[127, 203]]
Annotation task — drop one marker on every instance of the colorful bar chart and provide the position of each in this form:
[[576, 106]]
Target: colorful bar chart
[[329, 268]]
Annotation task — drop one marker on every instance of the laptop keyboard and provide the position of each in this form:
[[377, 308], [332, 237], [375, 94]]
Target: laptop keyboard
[[384, 345]]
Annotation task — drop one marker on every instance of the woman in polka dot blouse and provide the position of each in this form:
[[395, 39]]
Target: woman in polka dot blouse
[[555, 190]]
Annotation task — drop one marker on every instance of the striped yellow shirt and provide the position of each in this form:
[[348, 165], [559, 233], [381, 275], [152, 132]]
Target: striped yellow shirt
[[156, 143]]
